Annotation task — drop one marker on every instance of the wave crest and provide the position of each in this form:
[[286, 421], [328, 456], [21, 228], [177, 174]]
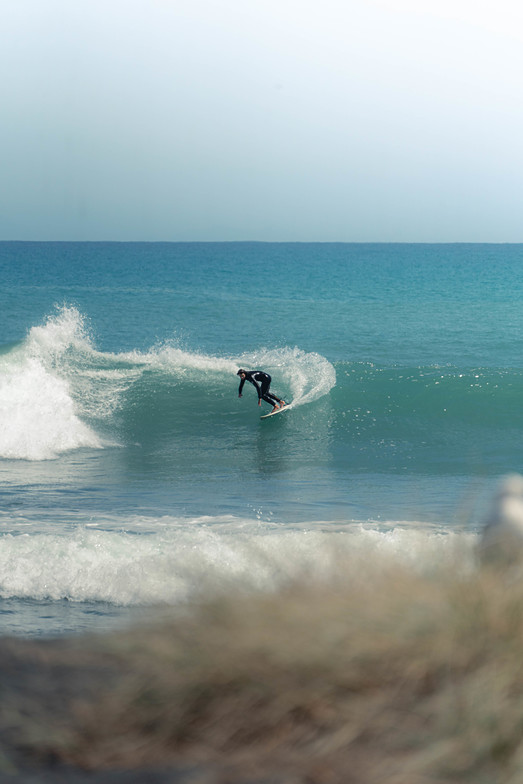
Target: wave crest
[[59, 393]]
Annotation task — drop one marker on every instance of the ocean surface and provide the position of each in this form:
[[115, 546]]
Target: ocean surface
[[132, 476]]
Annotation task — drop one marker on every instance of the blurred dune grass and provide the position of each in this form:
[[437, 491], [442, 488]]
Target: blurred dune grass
[[395, 677]]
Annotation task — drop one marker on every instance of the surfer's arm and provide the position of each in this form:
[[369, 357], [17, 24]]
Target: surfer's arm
[[242, 382]]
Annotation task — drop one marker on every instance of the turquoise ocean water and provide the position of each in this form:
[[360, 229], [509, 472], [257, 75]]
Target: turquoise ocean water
[[132, 476]]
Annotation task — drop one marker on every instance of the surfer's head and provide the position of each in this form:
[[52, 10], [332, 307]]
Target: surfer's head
[[240, 372]]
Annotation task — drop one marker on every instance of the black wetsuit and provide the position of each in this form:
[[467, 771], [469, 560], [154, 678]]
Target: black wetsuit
[[262, 382]]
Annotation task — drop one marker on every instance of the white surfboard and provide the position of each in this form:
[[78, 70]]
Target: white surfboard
[[278, 411]]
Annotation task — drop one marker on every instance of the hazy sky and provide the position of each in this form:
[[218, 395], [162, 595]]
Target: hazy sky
[[333, 120]]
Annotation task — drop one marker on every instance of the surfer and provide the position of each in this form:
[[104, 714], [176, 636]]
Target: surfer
[[262, 382]]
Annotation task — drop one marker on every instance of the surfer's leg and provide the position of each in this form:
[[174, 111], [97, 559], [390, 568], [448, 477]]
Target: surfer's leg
[[264, 391], [273, 400], [269, 397]]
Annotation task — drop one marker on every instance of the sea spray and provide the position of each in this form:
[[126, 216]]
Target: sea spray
[[308, 376]]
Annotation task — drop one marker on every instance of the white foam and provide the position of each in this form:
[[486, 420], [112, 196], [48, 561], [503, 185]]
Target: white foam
[[38, 416], [191, 559]]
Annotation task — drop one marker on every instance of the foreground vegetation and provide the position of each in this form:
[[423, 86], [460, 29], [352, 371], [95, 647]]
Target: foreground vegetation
[[388, 678]]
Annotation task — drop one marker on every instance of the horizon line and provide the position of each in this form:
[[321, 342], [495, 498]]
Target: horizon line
[[272, 242]]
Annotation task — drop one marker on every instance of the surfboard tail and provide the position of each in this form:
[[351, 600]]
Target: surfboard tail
[[278, 411]]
